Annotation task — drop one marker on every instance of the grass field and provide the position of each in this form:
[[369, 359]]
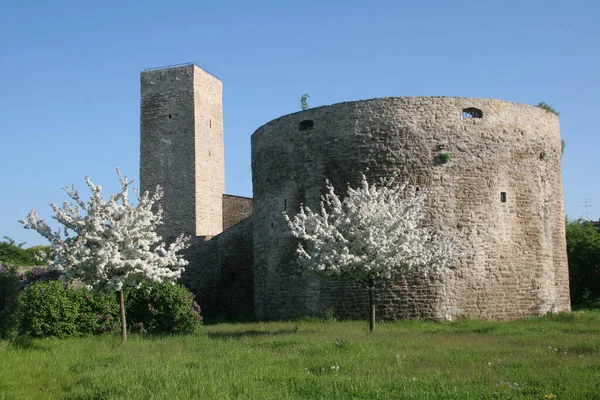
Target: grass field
[[555, 357]]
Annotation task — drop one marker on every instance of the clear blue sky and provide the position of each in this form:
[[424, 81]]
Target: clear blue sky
[[69, 93]]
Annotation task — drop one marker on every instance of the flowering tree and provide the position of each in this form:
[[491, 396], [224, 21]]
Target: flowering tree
[[370, 237], [110, 244]]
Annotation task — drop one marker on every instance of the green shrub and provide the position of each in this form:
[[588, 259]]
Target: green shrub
[[583, 251], [48, 309], [11, 283], [98, 312], [9, 289], [547, 107], [159, 308], [443, 158], [54, 308]]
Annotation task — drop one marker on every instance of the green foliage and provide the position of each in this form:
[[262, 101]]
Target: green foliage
[[14, 254], [35, 304], [57, 309], [158, 308], [531, 358], [547, 107], [583, 249], [442, 158], [304, 102], [9, 289], [563, 146]]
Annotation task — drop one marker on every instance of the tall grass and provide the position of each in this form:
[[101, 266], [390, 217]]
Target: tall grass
[[556, 356]]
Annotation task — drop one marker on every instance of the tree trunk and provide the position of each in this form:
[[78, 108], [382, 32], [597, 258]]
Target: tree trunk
[[123, 321], [371, 310]]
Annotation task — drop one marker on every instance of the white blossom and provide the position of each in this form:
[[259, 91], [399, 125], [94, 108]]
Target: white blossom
[[373, 235], [112, 243]]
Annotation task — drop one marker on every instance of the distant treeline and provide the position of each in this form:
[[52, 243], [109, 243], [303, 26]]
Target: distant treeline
[[15, 254]]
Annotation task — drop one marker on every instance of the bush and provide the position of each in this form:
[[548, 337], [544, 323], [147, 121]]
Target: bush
[[160, 308], [57, 309], [583, 250], [443, 158], [46, 307], [10, 283], [547, 107]]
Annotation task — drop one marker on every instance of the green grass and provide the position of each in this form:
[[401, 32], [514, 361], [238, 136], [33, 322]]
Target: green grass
[[526, 359]]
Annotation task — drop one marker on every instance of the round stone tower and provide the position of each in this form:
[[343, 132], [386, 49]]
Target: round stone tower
[[492, 170]]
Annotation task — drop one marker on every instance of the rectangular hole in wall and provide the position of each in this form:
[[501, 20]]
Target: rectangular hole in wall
[[503, 197], [285, 204]]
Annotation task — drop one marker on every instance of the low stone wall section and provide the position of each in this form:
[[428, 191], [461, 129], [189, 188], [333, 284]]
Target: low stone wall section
[[220, 271]]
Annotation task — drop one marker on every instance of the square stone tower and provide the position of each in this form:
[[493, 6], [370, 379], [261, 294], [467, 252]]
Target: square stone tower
[[181, 148]]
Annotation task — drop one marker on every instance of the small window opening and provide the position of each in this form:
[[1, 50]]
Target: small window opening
[[503, 197], [285, 204], [271, 224], [306, 125], [209, 153], [170, 116], [472, 112], [210, 123], [417, 189]]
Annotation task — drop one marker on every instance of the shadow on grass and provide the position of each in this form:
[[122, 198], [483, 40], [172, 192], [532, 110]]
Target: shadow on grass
[[235, 319], [250, 333], [24, 342]]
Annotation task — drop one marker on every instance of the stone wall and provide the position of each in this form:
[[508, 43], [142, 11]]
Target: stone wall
[[502, 189], [235, 209], [220, 271]]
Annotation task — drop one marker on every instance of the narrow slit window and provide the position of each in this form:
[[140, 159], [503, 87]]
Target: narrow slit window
[[306, 125], [503, 197], [170, 116], [472, 112], [285, 204]]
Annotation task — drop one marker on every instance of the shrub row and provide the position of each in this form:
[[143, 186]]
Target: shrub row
[[38, 305]]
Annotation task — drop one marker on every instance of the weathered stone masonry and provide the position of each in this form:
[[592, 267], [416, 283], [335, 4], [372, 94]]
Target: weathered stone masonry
[[501, 188]]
